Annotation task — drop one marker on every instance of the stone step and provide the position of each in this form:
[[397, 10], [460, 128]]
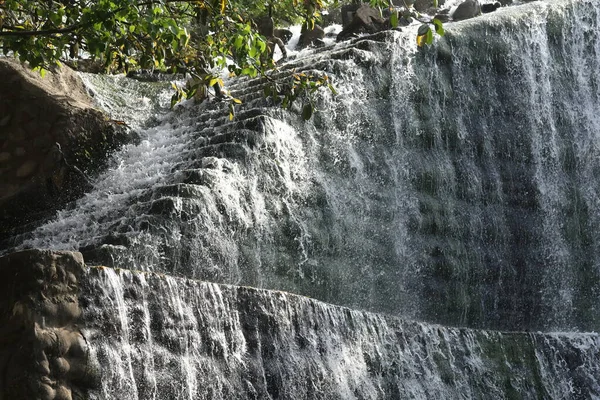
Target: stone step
[[183, 338]]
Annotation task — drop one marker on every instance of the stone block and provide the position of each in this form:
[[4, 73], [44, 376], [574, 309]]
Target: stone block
[[43, 352]]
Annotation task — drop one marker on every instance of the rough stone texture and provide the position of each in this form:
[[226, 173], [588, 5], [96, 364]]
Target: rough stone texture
[[43, 354], [35, 114]]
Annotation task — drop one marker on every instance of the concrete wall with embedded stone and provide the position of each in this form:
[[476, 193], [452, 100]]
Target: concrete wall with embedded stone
[[36, 113], [43, 353]]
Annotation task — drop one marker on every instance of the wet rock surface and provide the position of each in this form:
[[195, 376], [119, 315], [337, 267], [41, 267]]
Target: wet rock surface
[[43, 352], [36, 113]]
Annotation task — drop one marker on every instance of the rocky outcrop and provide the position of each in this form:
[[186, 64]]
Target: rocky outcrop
[[311, 37], [43, 353], [361, 19], [36, 113], [465, 10]]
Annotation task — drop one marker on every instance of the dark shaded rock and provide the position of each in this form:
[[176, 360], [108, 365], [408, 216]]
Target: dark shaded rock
[[422, 5], [365, 19], [332, 16], [490, 7], [43, 353], [312, 37], [51, 139], [284, 34], [467, 9], [348, 12]]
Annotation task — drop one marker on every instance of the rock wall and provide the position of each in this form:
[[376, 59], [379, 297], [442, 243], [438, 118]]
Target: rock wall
[[43, 353], [36, 113]]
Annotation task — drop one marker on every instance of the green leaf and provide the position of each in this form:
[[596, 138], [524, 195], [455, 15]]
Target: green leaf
[[330, 86], [439, 27], [239, 41], [429, 37], [231, 111], [307, 111], [261, 45], [41, 70], [237, 101], [176, 98], [394, 19]]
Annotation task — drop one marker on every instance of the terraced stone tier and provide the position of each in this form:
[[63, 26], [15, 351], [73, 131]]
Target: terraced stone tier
[[71, 331]]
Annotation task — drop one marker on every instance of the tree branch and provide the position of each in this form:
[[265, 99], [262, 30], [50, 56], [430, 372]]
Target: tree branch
[[48, 32]]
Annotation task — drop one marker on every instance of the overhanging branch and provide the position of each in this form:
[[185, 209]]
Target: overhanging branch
[[47, 32]]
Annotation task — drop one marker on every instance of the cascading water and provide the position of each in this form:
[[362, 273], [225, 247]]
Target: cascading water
[[179, 339], [454, 185]]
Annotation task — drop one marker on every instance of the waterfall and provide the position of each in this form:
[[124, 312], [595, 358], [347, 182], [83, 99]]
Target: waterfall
[[454, 184], [195, 340], [432, 233]]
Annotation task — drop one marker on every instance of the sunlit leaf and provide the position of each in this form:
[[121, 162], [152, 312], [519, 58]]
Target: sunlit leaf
[[439, 27], [394, 19], [429, 37], [239, 41]]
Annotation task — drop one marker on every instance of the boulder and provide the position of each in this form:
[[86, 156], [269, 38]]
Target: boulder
[[467, 9], [490, 7], [284, 34], [361, 19], [51, 138], [422, 6], [311, 37]]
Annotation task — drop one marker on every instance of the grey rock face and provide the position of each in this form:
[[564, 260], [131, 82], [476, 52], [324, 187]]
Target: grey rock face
[[467, 9], [35, 114], [43, 352]]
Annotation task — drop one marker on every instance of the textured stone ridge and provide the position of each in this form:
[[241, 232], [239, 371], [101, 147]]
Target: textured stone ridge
[[35, 114], [43, 353]]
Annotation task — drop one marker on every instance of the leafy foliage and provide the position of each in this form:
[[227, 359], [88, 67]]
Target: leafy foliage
[[199, 37]]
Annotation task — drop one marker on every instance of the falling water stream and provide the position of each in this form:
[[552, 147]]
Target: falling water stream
[[455, 185]]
